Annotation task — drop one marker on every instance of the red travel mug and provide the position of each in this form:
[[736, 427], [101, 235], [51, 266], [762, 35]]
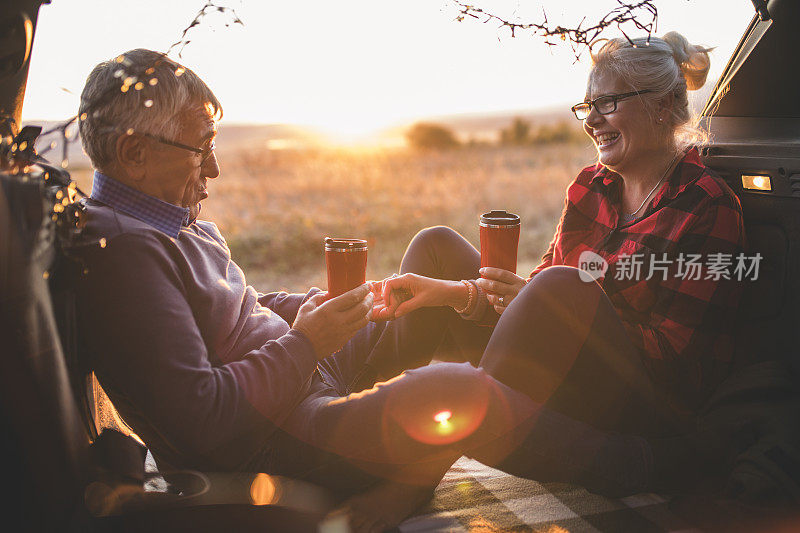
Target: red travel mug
[[499, 240], [346, 260]]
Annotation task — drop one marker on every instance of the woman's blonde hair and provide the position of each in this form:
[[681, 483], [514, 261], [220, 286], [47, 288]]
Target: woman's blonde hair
[[669, 65]]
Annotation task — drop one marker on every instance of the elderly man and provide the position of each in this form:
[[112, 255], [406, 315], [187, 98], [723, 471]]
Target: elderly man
[[214, 375]]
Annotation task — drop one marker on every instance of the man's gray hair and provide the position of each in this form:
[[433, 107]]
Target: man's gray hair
[[140, 90]]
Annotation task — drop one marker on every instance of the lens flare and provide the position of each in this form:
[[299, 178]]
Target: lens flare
[[262, 490], [443, 416]]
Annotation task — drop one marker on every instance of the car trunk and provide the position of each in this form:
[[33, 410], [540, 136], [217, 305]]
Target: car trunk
[[754, 120]]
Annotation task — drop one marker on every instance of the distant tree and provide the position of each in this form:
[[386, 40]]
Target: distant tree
[[518, 132], [560, 132], [429, 136]]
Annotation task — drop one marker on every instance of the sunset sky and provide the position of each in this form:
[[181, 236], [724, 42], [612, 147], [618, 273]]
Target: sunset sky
[[350, 66]]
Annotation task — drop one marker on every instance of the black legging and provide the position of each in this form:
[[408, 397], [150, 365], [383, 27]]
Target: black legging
[[563, 345]]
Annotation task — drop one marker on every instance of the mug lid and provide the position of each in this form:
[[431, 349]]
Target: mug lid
[[499, 218], [344, 245]]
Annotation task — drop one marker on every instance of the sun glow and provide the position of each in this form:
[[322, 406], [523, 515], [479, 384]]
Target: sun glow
[[356, 131]]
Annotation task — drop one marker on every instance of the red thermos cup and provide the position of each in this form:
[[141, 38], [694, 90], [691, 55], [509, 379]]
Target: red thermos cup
[[499, 240], [346, 260]]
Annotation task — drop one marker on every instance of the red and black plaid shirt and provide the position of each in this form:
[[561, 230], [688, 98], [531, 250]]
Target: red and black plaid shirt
[[681, 325]]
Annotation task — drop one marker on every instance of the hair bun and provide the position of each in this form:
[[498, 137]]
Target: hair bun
[[692, 60]]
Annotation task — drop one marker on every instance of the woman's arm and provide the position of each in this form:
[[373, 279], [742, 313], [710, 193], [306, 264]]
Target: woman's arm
[[420, 291], [547, 258]]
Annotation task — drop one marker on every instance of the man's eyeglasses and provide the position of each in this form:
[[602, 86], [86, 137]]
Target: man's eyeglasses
[[205, 152], [604, 104]]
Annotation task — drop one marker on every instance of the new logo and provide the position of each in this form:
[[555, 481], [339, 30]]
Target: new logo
[[592, 266]]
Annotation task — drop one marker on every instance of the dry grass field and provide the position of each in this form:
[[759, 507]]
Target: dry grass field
[[276, 206]]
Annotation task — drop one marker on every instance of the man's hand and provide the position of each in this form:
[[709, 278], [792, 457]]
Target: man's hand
[[330, 324]]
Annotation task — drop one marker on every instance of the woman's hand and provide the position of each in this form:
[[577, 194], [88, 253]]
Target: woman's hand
[[403, 294], [380, 308], [501, 286]]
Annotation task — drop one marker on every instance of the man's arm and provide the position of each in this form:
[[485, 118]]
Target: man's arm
[[147, 346], [284, 304]]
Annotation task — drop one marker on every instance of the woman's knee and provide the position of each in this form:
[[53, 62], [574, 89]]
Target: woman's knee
[[559, 281], [435, 236], [441, 252]]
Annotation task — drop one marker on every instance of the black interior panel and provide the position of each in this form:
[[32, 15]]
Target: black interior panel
[[769, 322]]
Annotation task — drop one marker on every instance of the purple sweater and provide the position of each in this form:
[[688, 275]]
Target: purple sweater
[[196, 361]]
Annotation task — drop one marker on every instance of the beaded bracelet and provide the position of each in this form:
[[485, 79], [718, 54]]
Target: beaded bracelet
[[470, 289]]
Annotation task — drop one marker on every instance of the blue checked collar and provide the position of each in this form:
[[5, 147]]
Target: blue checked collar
[[163, 216]]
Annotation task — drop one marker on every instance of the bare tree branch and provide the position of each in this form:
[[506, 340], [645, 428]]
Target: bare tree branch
[[210, 7], [642, 14]]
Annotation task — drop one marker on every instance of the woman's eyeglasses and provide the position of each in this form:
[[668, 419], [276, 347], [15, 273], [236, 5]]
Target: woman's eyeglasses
[[604, 105]]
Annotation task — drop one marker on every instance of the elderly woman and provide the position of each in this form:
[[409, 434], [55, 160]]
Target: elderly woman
[[641, 348]]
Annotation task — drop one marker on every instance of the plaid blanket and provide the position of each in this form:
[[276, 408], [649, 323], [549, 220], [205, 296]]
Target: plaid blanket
[[474, 497]]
